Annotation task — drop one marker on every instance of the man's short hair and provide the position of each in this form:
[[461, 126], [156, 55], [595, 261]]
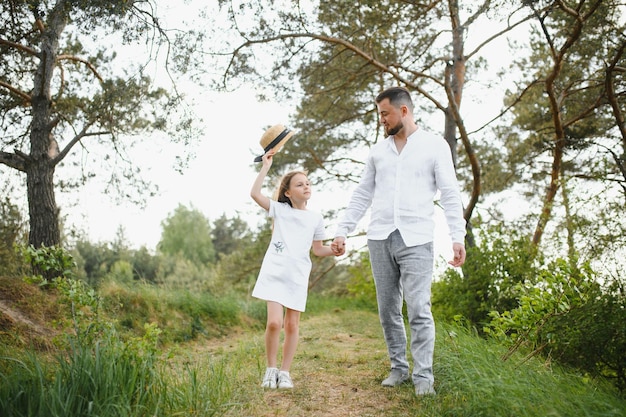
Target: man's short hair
[[397, 96]]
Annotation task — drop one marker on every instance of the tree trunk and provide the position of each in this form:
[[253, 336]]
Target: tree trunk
[[43, 211], [42, 208], [556, 101], [457, 78]]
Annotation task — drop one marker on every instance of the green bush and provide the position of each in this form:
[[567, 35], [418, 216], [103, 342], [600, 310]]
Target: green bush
[[566, 315], [592, 337], [49, 262], [503, 259], [121, 271], [180, 273], [183, 314]]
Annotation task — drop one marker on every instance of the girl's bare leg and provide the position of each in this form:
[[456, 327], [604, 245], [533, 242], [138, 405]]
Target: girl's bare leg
[[272, 332], [292, 331]]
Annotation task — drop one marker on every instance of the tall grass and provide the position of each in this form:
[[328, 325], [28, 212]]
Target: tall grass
[[182, 314], [111, 379], [98, 371], [473, 380]]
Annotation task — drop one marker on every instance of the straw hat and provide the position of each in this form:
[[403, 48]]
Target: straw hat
[[274, 138]]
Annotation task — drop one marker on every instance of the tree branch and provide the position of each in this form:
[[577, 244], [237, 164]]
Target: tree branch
[[498, 34], [610, 89], [13, 160], [83, 61], [83, 133], [348, 45], [21, 47], [16, 92]]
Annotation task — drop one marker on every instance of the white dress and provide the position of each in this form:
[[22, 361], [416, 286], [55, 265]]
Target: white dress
[[284, 274]]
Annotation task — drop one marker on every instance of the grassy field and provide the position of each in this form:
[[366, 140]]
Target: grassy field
[[216, 371]]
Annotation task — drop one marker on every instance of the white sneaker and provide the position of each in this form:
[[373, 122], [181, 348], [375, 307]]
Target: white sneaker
[[284, 380], [270, 379]]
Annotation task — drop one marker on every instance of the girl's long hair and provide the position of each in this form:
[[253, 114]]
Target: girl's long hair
[[283, 187]]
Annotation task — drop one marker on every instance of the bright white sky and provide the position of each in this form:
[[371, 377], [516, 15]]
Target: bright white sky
[[217, 181]]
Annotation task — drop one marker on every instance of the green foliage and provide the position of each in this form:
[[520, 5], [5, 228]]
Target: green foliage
[[238, 270], [122, 271], [229, 235], [62, 81], [329, 276], [145, 265], [48, 263], [361, 284], [566, 111], [111, 377], [11, 230], [344, 62], [182, 314], [502, 259], [342, 346], [187, 234], [108, 379], [103, 260], [179, 272], [592, 337], [566, 315], [84, 303], [204, 390], [186, 257], [94, 260], [558, 289]]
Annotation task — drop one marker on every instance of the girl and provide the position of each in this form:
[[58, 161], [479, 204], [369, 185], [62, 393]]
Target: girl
[[284, 275]]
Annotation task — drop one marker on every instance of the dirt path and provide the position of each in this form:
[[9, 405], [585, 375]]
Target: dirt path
[[340, 362], [17, 318]]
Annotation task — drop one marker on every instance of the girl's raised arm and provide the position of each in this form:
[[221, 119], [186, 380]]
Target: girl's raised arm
[[256, 191]]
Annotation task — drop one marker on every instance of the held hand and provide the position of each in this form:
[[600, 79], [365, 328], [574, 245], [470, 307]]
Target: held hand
[[459, 255], [338, 246]]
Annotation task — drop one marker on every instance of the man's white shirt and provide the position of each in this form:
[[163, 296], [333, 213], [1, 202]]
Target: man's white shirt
[[400, 189]]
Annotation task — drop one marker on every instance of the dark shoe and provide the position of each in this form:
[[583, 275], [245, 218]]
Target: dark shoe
[[395, 378], [424, 387]]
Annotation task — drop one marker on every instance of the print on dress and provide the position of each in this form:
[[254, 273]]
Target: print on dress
[[278, 246]]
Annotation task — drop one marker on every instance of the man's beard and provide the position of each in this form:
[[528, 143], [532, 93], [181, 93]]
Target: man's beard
[[392, 131]]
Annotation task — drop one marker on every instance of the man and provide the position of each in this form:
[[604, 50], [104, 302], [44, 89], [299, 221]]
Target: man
[[401, 177]]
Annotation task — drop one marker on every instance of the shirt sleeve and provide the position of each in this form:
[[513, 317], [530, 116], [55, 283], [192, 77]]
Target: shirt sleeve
[[271, 212], [445, 177], [277, 209], [320, 231], [361, 200]]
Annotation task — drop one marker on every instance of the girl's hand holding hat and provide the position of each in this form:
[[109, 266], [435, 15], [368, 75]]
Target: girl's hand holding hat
[[267, 158]]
